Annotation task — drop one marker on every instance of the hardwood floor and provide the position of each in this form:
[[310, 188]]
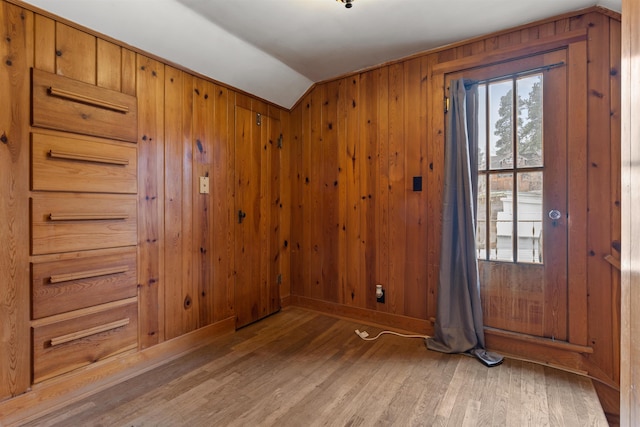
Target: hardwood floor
[[302, 368]]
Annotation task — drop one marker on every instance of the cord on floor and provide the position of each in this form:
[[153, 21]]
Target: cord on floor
[[365, 335]]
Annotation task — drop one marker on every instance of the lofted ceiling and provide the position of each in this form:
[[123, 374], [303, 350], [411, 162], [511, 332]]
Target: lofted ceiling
[[277, 49]]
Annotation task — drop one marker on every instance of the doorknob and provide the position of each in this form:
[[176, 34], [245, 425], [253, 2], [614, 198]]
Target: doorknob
[[554, 214], [241, 216]]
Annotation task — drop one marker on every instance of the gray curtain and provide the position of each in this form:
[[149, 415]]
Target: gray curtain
[[459, 326]]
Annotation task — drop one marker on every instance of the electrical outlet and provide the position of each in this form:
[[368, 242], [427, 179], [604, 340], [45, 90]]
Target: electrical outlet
[[204, 185], [379, 294]]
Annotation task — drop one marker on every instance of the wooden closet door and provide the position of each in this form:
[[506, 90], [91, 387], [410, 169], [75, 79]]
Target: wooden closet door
[[256, 293]]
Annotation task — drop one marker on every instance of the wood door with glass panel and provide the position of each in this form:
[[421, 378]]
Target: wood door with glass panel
[[521, 240]]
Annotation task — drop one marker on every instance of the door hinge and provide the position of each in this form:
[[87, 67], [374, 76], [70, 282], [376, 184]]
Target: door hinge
[[280, 141], [446, 104], [258, 119], [279, 279]]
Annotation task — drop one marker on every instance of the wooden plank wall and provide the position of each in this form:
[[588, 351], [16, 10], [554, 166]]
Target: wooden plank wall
[[16, 53], [186, 269], [360, 140]]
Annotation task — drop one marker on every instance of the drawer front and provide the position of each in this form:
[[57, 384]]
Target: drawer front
[[62, 103], [70, 344], [61, 163], [63, 286], [63, 222]]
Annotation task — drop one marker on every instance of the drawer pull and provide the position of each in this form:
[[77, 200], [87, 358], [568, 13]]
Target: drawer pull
[[88, 332], [100, 103], [88, 158], [59, 278], [86, 216]]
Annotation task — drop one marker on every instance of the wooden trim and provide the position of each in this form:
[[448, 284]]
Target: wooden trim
[[577, 196], [74, 386], [86, 216], [95, 102], [285, 301], [613, 261], [565, 357], [512, 53], [545, 342], [370, 317], [88, 332], [87, 274], [88, 158]]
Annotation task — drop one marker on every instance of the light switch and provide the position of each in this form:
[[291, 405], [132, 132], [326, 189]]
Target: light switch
[[204, 185]]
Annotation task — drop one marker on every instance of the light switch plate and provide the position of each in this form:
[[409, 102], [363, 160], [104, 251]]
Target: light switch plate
[[204, 185]]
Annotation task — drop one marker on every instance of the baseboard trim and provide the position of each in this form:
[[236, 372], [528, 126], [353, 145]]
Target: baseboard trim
[[362, 315], [61, 391]]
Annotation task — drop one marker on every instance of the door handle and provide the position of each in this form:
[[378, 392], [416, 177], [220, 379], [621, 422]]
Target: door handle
[[554, 215], [241, 216]]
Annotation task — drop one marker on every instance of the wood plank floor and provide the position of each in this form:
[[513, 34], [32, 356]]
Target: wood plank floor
[[302, 368]]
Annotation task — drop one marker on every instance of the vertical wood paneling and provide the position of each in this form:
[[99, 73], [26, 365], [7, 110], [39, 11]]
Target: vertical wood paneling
[[368, 183], [343, 185], [616, 186], [577, 194], [397, 190], [150, 82], [128, 73], [382, 190], [189, 294], [264, 211], [45, 44], [203, 113], [222, 189], [330, 193], [316, 214], [306, 247], [285, 206], [416, 272], [15, 372], [174, 301], [353, 152], [109, 67], [599, 181], [274, 207], [249, 292], [246, 242], [75, 54], [297, 208], [434, 187], [556, 128]]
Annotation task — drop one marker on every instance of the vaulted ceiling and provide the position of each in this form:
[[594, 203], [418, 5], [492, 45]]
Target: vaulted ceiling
[[277, 49]]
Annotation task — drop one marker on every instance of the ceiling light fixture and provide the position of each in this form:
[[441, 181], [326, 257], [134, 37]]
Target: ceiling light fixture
[[347, 3]]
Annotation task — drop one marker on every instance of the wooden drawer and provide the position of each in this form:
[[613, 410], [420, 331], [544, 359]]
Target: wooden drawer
[[62, 103], [64, 345], [63, 286], [70, 163], [63, 222]]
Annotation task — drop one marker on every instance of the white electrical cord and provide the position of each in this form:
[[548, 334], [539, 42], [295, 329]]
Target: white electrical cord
[[365, 335]]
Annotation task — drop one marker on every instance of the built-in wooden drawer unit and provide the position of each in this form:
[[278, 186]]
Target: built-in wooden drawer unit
[[67, 285], [66, 162], [68, 222], [64, 343], [62, 103]]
